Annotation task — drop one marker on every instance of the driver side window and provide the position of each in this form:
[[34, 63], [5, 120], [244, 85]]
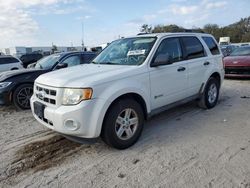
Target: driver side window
[[72, 60], [172, 48]]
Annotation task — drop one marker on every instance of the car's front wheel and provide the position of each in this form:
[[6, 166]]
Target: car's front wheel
[[123, 124], [22, 95]]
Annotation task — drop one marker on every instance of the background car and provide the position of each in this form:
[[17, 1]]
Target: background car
[[237, 64], [227, 49], [30, 58], [9, 63], [17, 86]]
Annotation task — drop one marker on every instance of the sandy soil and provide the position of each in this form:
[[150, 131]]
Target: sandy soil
[[183, 147]]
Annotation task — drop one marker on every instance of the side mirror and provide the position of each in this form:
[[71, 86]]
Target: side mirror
[[161, 59], [62, 65]]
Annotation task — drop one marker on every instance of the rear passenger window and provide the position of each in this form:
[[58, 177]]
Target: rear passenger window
[[171, 47], [13, 60], [8, 60], [211, 45], [193, 47]]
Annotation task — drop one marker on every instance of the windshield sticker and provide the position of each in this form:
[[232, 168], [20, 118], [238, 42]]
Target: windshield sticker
[[136, 52]]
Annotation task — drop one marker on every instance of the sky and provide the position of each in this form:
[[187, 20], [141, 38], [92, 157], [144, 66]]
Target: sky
[[62, 22]]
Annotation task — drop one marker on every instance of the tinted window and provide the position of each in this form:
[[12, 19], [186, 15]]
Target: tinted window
[[87, 58], [72, 60], [172, 48], [211, 45], [193, 47], [8, 60]]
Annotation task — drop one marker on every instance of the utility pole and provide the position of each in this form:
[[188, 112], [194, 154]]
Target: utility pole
[[82, 37]]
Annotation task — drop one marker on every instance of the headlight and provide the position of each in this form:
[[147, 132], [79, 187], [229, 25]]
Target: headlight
[[75, 96], [4, 84]]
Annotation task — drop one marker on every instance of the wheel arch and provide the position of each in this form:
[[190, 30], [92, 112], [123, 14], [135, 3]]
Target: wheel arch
[[16, 86], [134, 96]]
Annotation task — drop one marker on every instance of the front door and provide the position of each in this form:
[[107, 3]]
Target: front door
[[169, 83]]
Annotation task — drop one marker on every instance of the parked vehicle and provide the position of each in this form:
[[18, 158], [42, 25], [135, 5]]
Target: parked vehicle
[[224, 40], [17, 86], [227, 49], [128, 82], [30, 58], [9, 63], [237, 64]]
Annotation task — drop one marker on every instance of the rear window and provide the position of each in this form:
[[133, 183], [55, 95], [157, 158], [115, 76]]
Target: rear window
[[211, 44], [8, 60], [193, 47]]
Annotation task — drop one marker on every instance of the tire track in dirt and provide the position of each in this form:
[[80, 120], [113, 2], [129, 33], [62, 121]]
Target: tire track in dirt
[[40, 155]]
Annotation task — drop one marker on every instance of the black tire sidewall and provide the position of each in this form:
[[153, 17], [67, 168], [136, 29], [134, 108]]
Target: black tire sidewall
[[209, 83], [108, 131], [15, 93]]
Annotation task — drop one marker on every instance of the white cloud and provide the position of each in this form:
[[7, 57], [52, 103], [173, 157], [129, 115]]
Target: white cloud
[[216, 5], [16, 18], [183, 10]]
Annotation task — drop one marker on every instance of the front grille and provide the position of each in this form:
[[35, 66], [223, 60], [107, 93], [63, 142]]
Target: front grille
[[45, 94], [237, 70], [46, 121]]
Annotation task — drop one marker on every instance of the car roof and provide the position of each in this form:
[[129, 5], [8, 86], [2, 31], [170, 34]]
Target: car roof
[[7, 56], [160, 35]]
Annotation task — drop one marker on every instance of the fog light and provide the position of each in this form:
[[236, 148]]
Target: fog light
[[71, 125]]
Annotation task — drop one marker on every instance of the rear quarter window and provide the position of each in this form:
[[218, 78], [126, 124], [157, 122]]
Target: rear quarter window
[[193, 47], [211, 44]]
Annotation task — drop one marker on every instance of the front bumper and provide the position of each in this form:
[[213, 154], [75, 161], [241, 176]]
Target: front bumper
[[85, 116], [237, 71], [5, 96]]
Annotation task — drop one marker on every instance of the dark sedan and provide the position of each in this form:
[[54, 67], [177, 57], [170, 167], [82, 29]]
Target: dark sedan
[[237, 64], [17, 86]]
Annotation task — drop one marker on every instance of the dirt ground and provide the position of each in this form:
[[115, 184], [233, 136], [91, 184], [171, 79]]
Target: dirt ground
[[182, 147]]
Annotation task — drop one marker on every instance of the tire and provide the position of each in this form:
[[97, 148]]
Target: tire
[[118, 131], [210, 95], [22, 95]]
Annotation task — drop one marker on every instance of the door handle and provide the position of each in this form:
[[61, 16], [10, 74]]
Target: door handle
[[206, 63], [181, 69]]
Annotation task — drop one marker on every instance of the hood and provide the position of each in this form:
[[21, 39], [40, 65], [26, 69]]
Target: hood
[[237, 61], [12, 73], [86, 75]]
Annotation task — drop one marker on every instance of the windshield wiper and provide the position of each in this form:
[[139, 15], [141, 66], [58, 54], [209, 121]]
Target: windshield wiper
[[104, 63]]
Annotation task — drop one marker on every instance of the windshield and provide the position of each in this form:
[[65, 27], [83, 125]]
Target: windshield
[[47, 62], [128, 51], [241, 51]]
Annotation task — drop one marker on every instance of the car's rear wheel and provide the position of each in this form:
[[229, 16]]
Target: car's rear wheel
[[210, 95], [22, 95], [123, 124]]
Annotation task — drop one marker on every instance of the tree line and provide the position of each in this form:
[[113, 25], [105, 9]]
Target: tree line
[[238, 31]]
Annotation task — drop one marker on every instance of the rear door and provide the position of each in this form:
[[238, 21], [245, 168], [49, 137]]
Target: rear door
[[198, 63], [169, 82]]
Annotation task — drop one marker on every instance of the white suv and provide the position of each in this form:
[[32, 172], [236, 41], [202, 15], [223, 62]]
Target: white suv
[[9, 63], [129, 81]]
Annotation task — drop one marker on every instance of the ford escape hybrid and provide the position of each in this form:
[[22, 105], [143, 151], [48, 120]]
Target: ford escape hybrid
[[129, 81]]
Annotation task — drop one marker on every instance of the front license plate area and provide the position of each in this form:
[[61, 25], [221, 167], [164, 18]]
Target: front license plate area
[[39, 109]]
